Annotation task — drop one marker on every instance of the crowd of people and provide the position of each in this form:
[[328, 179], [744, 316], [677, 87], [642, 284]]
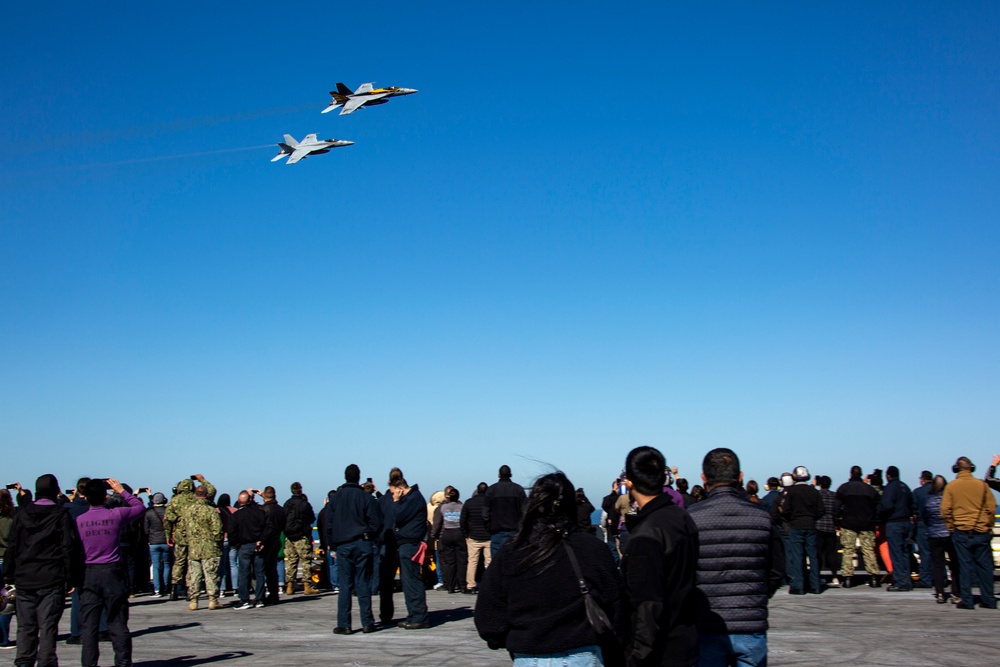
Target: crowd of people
[[667, 577]]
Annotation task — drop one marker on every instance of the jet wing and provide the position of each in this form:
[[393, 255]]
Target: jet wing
[[356, 102], [298, 154]]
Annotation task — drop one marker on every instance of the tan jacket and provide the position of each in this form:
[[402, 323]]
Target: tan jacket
[[968, 504]]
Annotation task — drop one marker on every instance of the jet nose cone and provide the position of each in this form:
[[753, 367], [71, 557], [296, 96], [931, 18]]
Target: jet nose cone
[[408, 91], [345, 142]]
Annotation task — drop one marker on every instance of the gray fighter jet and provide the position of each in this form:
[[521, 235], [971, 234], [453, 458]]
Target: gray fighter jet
[[364, 96], [310, 146]]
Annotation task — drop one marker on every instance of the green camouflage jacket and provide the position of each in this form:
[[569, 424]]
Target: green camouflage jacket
[[203, 529], [173, 518]]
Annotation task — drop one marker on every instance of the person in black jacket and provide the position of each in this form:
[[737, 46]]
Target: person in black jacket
[[299, 517], [611, 520], [896, 509], [388, 561], [249, 529], [801, 505], [740, 566], [531, 603], [353, 526], [503, 508], [659, 566], [44, 561], [272, 545], [858, 504], [409, 515], [477, 537]]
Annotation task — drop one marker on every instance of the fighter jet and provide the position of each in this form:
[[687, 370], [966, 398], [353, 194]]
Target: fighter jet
[[364, 96], [309, 146]]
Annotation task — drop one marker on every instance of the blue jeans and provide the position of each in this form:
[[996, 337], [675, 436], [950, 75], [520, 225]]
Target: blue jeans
[[225, 574], [975, 562], [354, 575], [411, 576], [497, 540], [159, 558], [234, 567], [250, 558], [331, 567], [585, 656], [799, 539], [896, 534], [743, 650], [926, 560]]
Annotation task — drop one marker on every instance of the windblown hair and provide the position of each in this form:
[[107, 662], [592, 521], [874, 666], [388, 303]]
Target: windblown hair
[[6, 503], [549, 516]]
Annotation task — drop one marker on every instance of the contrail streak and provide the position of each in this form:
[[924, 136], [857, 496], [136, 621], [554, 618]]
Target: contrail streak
[[169, 157]]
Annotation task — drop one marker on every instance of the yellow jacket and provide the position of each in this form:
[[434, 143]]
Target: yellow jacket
[[968, 504]]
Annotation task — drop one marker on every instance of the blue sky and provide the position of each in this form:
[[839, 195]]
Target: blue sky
[[595, 226]]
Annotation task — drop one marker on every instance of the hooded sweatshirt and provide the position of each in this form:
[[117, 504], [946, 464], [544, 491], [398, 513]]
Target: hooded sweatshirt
[[44, 548]]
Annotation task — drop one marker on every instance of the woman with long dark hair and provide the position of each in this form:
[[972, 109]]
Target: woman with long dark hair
[[530, 601]]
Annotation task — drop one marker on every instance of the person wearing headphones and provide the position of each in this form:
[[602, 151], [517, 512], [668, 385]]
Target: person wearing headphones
[[801, 505], [968, 509]]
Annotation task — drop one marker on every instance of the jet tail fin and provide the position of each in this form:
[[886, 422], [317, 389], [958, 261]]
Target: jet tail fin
[[342, 89], [291, 141]]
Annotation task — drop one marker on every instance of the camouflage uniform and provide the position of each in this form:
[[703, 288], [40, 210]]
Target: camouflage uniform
[[203, 529], [849, 540], [299, 551], [173, 524]]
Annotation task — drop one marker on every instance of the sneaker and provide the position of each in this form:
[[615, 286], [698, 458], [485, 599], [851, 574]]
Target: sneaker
[[156, 595], [260, 604], [6, 647], [245, 605], [438, 586], [341, 631]]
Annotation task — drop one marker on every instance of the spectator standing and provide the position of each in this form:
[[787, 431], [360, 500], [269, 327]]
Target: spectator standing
[[410, 518], [159, 550], [858, 511], [923, 546], [531, 602], [827, 542], [228, 564], [751, 491], [477, 537], [896, 510], [6, 522], [611, 519], [939, 539], [388, 561], [968, 509], [105, 584], [354, 522], [204, 535], [272, 545], [249, 528], [447, 531], [299, 517], [801, 506], [773, 487], [44, 560], [174, 526], [503, 508], [584, 510], [659, 567], [740, 566]]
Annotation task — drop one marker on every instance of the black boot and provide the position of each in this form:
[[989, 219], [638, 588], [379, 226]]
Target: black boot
[[845, 582], [873, 581], [173, 593]]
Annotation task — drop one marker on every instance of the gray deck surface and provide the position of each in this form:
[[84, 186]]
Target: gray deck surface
[[857, 626]]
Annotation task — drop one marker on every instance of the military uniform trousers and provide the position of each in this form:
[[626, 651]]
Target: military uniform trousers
[[178, 572], [296, 552], [848, 540], [204, 571]]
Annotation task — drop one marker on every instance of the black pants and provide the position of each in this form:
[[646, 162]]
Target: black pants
[[38, 614], [270, 551], [939, 547], [829, 559], [105, 587], [454, 558], [387, 565]]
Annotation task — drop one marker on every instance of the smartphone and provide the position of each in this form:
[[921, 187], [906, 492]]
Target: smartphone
[[143, 489], [258, 492], [369, 480], [194, 477], [11, 486], [69, 492]]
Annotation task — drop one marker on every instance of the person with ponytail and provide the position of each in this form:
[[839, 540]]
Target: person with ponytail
[[530, 601]]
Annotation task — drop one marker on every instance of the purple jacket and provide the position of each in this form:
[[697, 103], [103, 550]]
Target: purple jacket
[[100, 528]]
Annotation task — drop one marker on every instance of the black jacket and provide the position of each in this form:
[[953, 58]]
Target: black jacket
[[472, 521], [250, 524], [741, 562], [659, 567], [504, 503], [153, 524], [608, 505], [410, 517], [299, 517], [858, 505], [539, 609], [276, 513], [800, 505], [44, 549], [353, 515], [322, 523], [897, 502]]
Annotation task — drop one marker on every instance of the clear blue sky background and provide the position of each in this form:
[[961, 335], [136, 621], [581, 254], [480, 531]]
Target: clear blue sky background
[[597, 225]]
